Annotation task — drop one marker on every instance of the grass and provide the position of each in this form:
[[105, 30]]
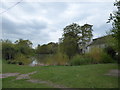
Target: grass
[[12, 83], [84, 76]]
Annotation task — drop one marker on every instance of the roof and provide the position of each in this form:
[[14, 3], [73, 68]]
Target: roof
[[100, 40]]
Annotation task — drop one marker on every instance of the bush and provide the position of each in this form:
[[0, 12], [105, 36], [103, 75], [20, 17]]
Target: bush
[[105, 58], [99, 56], [12, 62], [95, 54], [80, 60], [20, 63], [22, 58], [9, 62]]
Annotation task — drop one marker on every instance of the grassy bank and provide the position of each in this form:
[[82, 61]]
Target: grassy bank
[[85, 76]]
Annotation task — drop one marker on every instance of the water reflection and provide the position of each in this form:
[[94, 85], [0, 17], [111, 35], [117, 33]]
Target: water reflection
[[34, 63], [40, 60]]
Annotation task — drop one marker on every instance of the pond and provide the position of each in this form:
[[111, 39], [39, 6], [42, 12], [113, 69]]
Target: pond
[[39, 59]]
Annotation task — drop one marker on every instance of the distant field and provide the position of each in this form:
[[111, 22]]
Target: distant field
[[84, 76]]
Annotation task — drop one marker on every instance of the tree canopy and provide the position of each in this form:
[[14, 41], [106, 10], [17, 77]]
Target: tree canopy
[[75, 38]]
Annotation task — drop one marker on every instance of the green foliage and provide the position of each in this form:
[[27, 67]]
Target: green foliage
[[20, 58], [8, 50], [115, 18], [110, 51], [95, 54], [86, 36], [80, 60], [75, 39], [50, 48], [68, 43], [99, 56], [24, 47], [20, 51], [69, 46], [105, 58]]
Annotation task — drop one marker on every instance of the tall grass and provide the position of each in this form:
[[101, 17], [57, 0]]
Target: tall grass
[[81, 60], [99, 56], [57, 59]]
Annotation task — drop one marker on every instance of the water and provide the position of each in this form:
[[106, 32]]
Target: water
[[39, 59], [34, 62]]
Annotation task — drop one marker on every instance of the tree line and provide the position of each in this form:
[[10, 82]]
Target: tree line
[[74, 41]]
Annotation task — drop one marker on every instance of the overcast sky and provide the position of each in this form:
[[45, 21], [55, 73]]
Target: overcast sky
[[43, 22]]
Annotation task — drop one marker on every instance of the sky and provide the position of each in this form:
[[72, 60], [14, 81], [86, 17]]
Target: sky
[[43, 22]]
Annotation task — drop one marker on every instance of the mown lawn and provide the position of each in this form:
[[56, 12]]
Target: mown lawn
[[10, 82], [84, 76]]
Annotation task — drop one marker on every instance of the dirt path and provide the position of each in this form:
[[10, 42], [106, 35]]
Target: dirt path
[[26, 76], [113, 72], [46, 82], [8, 75]]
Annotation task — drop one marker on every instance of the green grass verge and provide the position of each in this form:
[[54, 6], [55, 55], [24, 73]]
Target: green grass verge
[[12, 83], [85, 76]]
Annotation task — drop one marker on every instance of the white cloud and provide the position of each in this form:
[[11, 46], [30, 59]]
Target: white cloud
[[61, 1], [72, 11], [43, 22]]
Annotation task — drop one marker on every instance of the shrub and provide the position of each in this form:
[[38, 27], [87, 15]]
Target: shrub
[[22, 58], [110, 51], [80, 60], [95, 54], [105, 58], [99, 56], [20, 63], [9, 62]]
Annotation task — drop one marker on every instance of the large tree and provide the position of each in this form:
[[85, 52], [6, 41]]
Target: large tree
[[75, 39], [85, 37], [69, 41]]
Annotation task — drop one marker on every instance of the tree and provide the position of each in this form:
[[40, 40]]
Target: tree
[[85, 37], [50, 48], [69, 41], [24, 47], [75, 39], [115, 18], [8, 50], [43, 49]]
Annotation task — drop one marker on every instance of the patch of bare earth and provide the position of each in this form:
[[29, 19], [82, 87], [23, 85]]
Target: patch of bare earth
[[114, 72], [8, 75], [46, 82], [25, 76]]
